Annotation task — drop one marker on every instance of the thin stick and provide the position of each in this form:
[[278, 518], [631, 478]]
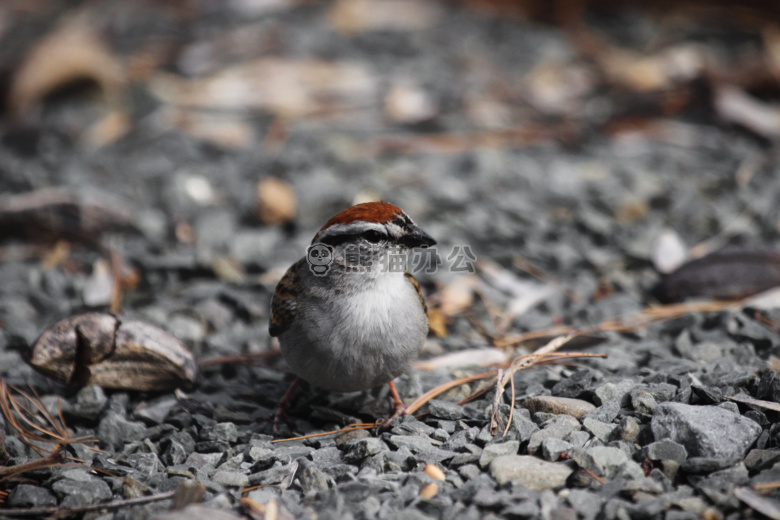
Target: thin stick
[[352, 427], [62, 511]]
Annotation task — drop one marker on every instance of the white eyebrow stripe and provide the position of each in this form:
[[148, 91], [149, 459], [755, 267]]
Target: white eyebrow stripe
[[353, 228], [395, 230]]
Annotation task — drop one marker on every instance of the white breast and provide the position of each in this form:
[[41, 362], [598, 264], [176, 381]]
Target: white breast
[[362, 336]]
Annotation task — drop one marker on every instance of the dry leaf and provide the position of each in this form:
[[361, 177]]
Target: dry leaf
[[224, 131], [429, 491], [478, 357], [74, 51], [668, 251], [651, 73], [112, 352], [352, 16], [276, 202], [437, 323], [559, 88], [458, 295], [409, 104], [764, 505], [729, 274], [434, 471], [736, 106], [288, 88], [107, 129]]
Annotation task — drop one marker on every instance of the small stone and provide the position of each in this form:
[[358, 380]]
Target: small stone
[[27, 495], [642, 485], [643, 402], [600, 430], [77, 487], [557, 405], [533, 473], [491, 451], [614, 391], [705, 431], [350, 436], [116, 431], [90, 402], [523, 427], [446, 410], [698, 465], [360, 449], [758, 460], [670, 469], [577, 438], [225, 431], [229, 478], [609, 459], [558, 427], [587, 504], [574, 385], [605, 413], [196, 511], [156, 411], [627, 429], [552, 448], [664, 450], [468, 471]]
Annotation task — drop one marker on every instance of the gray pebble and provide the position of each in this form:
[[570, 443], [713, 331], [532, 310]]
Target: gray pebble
[[705, 431]]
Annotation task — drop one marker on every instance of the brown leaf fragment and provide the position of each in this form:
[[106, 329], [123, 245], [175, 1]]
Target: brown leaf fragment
[[353, 16], [276, 202], [112, 352], [287, 88], [766, 506], [72, 52], [729, 274], [734, 105], [768, 405], [50, 214]]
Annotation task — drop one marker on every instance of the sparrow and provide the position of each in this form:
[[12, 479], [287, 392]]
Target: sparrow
[[348, 316]]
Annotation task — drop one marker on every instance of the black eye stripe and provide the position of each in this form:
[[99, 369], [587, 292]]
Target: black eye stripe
[[374, 236], [371, 235]]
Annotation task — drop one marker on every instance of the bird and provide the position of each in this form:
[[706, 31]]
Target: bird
[[348, 315]]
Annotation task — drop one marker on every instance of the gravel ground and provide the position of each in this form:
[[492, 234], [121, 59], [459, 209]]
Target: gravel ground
[[651, 423]]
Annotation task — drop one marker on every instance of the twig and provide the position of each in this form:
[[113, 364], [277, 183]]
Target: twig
[[61, 511], [54, 458], [240, 359], [351, 427]]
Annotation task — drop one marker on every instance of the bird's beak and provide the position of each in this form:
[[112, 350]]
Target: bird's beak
[[416, 237]]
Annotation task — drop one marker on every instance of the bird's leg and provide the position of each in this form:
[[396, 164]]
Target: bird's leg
[[398, 406], [398, 410], [280, 412]]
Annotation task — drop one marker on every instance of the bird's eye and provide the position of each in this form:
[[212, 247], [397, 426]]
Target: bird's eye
[[373, 236]]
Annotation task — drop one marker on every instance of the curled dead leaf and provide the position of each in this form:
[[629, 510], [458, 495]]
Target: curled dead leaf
[[352, 16], [458, 295], [287, 88], [429, 491], [276, 201], [729, 274], [434, 471], [72, 52], [112, 352]]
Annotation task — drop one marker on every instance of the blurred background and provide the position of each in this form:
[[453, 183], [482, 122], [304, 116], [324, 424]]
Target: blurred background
[[588, 143]]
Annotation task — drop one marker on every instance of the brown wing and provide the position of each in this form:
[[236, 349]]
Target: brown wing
[[284, 303], [417, 288]]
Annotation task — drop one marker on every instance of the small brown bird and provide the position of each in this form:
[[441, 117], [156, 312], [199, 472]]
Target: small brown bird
[[347, 317]]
